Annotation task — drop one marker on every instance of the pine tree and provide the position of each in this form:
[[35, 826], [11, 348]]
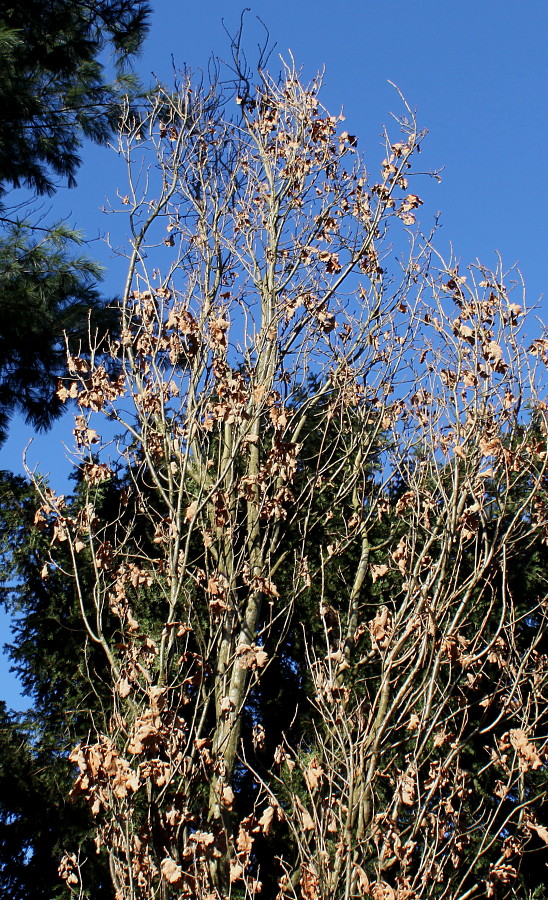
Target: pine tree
[[38, 821], [56, 91], [64, 79]]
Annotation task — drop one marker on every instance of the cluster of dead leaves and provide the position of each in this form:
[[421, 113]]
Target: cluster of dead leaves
[[69, 870], [405, 211], [380, 628], [527, 754], [191, 873], [94, 392], [250, 656], [248, 828], [102, 772]]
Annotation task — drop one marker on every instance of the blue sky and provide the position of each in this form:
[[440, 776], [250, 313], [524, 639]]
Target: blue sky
[[477, 75]]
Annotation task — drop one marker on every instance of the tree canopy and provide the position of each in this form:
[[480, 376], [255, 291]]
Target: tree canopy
[[292, 622], [302, 560], [55, 85], [64, 79]]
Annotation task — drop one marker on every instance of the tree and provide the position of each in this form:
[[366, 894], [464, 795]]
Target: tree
[[55, 91], [330, 466], [37, 817], [54, 86], [46, 292]]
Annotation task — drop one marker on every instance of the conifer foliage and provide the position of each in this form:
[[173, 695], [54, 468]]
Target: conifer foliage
[[56, 90], [55, 84], [324, 675]]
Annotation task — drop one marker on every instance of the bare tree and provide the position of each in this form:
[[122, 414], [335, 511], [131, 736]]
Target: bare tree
[[331, 458]]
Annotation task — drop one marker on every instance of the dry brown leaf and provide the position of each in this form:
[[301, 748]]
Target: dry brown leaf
[[492, 351], [244, 841], [313, 774], [191, 511], [123, 687], [306, 818], [380, 890], [261, 658], [470, 379], [540, 830], [267, 819], [227, 797], [378, 571], [65, 394], [528, 757], [202, 838], [309, 883], [489, 446], [381, 628], [68, 868], [500, 790], [503, 873], [236, 871], [363, 880], [407, 787], [251, 657], [170, 870], [440, 738], [406, 503], [401, 555]]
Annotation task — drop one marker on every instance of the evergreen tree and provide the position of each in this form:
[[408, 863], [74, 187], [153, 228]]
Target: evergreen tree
[[45, 292], [38, 821], [56, 90], [64, 79]]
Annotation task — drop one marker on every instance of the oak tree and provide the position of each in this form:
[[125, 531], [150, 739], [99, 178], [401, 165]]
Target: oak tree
[[325, 675]]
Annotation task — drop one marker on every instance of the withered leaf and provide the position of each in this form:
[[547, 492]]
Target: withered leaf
[[267, 819], [528, 758], [306, 818], [380, 628], [191, 511], [377, 571], [123, 687], [309, 883], [540, 830], [244, 841], [236, 871], [313, 774], [170, 870], [407, 787], [380, 890], [363, 880], [227, 797]]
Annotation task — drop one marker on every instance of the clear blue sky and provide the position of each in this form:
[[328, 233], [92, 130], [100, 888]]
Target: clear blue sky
[[477, 74]]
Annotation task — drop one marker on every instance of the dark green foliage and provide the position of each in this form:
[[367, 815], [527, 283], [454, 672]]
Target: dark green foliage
[[38, 820], [46, 292], [54, 88], [63, 679], [63, 80]]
